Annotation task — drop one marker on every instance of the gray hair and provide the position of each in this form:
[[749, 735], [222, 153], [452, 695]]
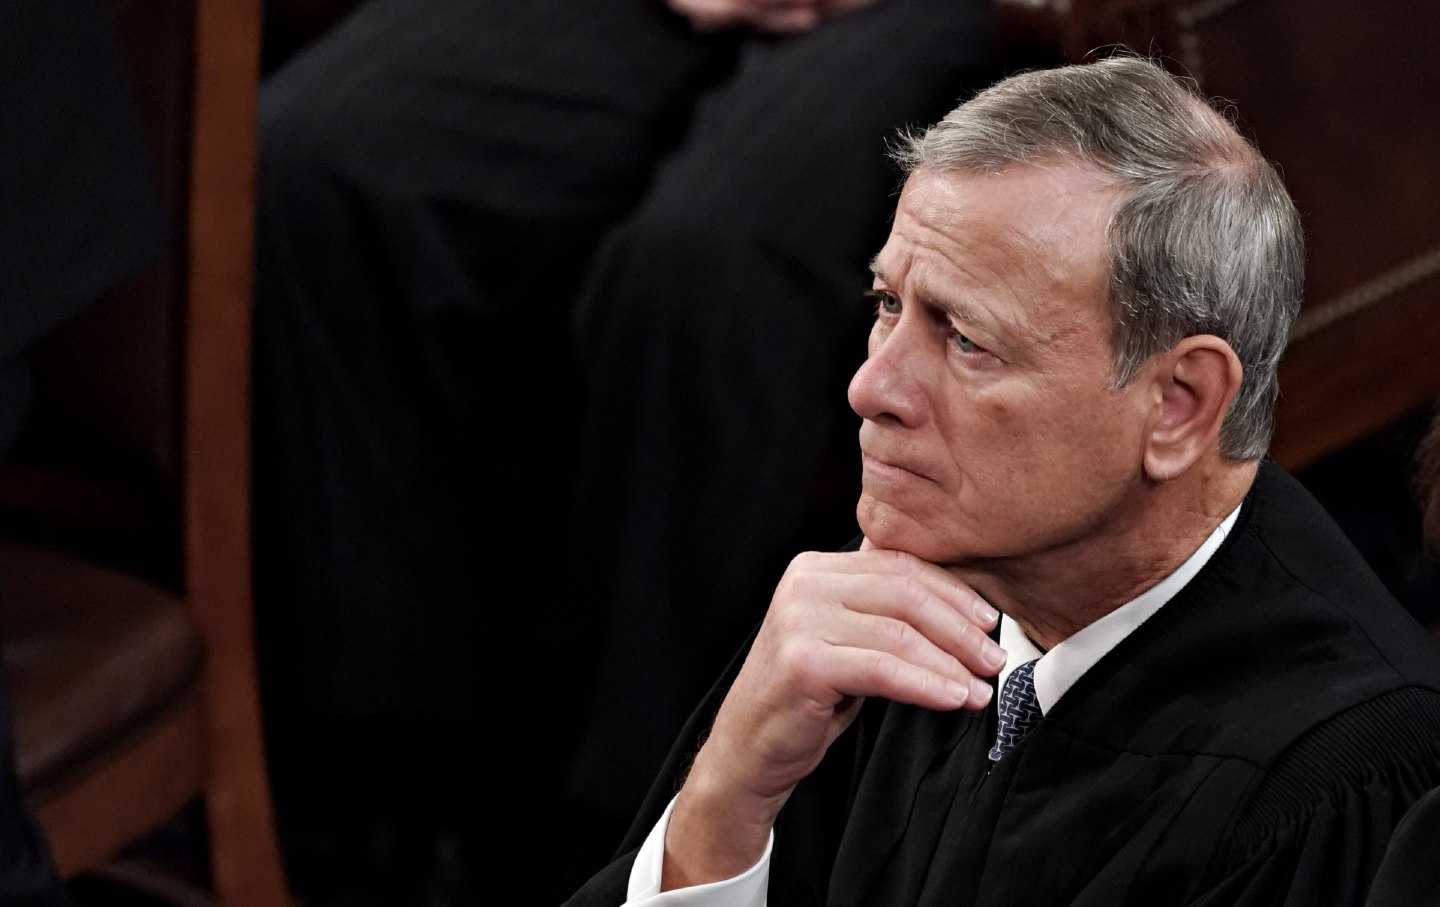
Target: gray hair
[[1205, 241]]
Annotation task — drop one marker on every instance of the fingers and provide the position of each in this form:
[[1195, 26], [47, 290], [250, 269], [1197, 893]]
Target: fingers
[[787, 20], [886, 624], [902, 679], [902, 612], [776, 16], [927, 660], [937, 580], [708, 15], [843, 627]]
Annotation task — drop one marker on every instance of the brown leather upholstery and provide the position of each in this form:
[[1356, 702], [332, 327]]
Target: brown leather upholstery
[[94, 654], [125, 610], [1341, 96]]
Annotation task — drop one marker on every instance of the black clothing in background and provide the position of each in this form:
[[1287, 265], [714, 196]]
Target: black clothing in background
[[79, 206], [79, 213], [550, 295], [1255, 742]]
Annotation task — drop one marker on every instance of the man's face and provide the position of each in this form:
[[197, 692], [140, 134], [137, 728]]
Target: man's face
[[991, 429]]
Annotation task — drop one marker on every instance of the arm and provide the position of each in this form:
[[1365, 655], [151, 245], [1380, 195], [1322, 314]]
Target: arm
[[840, 627]]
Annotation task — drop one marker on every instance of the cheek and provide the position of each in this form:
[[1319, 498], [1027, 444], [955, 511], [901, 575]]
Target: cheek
[[1098, 438], [1043, 439], [991, 426], [997, 446]]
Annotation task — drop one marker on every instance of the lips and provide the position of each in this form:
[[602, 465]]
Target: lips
[[890, 470], [888, 456]]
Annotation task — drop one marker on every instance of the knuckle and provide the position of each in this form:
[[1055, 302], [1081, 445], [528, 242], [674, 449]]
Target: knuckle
[[880, 669], [897, 635], [794, 661], [911, 594], [968, 635]]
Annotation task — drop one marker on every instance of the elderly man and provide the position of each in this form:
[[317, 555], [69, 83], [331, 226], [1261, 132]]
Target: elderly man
[[1205, 695]]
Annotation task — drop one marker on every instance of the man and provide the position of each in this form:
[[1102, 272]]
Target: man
[[1206, 696]]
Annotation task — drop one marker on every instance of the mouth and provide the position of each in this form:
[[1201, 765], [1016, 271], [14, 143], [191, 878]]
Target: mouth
[[888, 472]]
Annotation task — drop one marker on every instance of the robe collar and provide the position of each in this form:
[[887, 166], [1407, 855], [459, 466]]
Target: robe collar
[[1058, 669]]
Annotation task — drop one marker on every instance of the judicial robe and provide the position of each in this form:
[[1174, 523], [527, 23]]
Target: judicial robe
[[1255, 742]]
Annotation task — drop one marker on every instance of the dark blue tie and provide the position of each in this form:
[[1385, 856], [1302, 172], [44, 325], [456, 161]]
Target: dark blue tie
[[1018, 710]]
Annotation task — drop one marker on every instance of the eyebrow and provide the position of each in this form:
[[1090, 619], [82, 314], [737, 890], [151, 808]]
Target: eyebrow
[[954, 309]]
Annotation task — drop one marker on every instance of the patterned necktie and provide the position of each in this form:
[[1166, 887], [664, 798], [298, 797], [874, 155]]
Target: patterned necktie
[[1018, 710]]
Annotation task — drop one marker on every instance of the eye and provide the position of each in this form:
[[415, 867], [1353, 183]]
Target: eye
[[965, 344], [883, 302]]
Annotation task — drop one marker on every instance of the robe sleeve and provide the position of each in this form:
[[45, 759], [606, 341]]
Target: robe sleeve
[[607, 888]]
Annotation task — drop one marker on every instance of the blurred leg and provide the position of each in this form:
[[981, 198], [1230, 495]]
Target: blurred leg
[[433, 179]]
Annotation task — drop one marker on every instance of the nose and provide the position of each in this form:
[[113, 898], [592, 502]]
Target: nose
[[889, 384]]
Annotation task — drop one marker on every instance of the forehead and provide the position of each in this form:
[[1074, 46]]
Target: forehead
[[1025, 246]]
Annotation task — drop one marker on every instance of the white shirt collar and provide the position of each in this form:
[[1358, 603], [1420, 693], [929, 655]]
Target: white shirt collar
[[1057, 670]]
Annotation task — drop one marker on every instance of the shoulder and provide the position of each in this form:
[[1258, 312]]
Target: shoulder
[[1315, 823], [1347, 781]]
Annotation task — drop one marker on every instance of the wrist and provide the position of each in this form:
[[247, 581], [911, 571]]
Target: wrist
[[717, 830]]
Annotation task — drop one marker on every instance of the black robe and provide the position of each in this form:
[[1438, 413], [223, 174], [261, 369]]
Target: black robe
[[1255, 742]]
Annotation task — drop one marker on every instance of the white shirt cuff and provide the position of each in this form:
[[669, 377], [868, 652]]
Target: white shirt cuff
[[745, 890]]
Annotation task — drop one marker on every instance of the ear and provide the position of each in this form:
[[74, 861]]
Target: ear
[[1196, 382]]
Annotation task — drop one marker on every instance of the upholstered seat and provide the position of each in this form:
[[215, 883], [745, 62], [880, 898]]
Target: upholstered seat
[[93, 653]]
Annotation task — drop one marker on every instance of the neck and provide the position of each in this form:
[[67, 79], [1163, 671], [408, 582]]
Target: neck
[[1055, 593]]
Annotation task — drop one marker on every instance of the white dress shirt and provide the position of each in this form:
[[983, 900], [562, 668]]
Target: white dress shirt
[[1055, 672]]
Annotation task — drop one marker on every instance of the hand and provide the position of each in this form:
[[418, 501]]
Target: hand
[[777, 16], [841, 627]]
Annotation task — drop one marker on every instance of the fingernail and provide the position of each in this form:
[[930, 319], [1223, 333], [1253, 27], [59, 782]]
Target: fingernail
[[980, 692], [994, 655], [961, 691], [984, 612]]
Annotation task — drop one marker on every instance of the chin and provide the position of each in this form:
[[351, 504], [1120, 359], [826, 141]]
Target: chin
[[887, 527]]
